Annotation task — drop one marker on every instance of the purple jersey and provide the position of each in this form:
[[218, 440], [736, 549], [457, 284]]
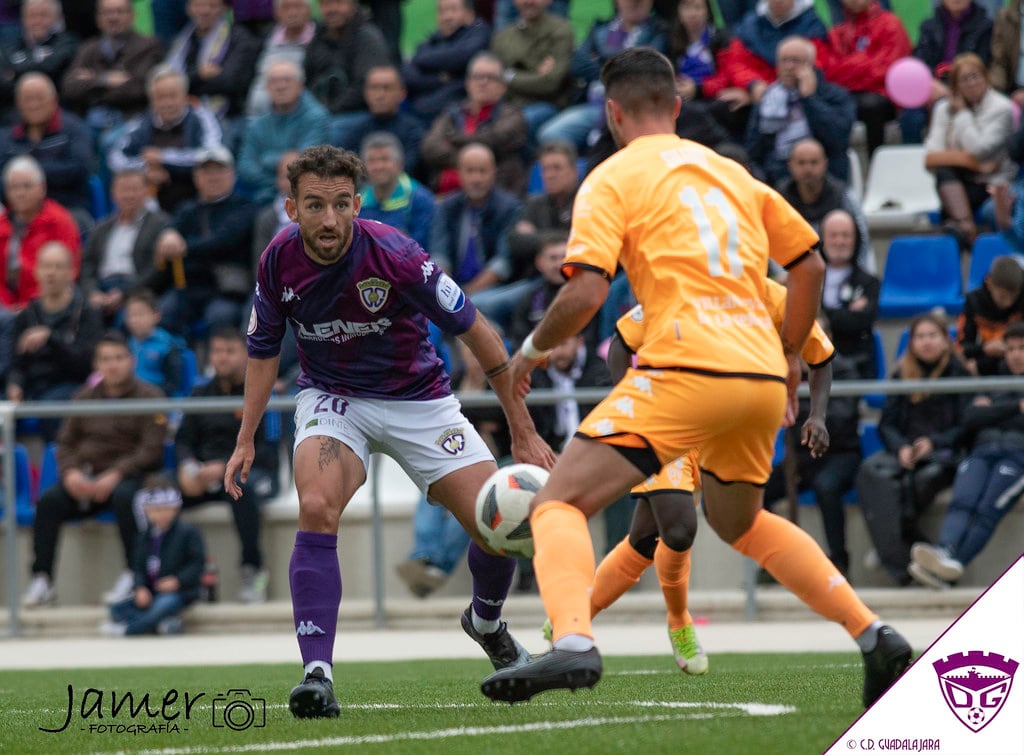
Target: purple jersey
[[360, 323]]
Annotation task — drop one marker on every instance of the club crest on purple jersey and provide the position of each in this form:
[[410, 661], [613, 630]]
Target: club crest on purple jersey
[[452, 441], [975, 685], [373, 292]]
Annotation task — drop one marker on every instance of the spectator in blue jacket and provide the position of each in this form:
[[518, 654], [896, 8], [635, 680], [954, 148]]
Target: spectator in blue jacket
[[389, 194], [166, 140], [384, 94], [634, 25], [435, 72], [800, 105], [59, 141], [157, 353], [295, 121]]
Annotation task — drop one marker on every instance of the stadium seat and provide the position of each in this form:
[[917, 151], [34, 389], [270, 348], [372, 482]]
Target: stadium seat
[[24, 508], [899, 193], [856, 182], [99, 206], [986, 248], [921, 273], [869, 440], [875, 400]]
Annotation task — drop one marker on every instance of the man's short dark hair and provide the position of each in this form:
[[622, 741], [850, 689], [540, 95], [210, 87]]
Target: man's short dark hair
[[1006, 273], [551, 238], [1014, 330], [227, 333], [114, 337], [143, 295], [559, 147], [325, 161], [640, 80]]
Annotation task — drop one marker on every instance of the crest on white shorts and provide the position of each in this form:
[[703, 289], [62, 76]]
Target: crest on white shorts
[[452, 441], [373, 293]]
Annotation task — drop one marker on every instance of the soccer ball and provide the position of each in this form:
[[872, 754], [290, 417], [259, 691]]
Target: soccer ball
[[503, 505]]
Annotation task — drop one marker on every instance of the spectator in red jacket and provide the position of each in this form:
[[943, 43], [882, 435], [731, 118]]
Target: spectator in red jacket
[[863, 48], [28, 222]]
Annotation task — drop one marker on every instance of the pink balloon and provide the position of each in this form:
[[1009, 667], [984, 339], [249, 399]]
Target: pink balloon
[[908, 82]]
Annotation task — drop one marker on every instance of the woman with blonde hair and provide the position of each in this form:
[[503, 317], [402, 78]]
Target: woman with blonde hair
[[920, 434], [966, 147]]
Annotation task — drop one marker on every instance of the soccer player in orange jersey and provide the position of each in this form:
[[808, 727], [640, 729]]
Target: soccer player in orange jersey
[[664, 520], [694, 233]]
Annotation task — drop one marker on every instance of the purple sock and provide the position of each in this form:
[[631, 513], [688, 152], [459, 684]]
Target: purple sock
[[315, 579], [492, 579]]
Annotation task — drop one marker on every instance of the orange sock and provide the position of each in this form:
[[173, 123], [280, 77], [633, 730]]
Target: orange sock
[[617, 572], [673, 569], [564, 565], [794, 558]]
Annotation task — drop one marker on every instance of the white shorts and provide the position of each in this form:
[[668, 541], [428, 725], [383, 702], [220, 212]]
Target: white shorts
[[429, 439]]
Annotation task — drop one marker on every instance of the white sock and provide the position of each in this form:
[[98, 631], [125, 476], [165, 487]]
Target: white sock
[[485, 626], [574, 643], [868, 639], [320, 664]]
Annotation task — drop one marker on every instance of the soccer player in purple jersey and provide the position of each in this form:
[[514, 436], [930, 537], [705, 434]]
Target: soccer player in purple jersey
[[358, 295]]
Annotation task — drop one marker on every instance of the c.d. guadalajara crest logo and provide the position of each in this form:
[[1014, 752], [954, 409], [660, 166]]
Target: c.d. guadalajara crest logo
[[975, 685], [373, 293]]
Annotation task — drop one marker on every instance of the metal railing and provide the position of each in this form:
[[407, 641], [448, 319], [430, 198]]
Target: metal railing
[[11, 412]]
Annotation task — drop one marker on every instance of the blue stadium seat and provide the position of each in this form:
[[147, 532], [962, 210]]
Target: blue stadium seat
[[24, 508], [98, 197], [921, 273], [869, 440], [875, 400], [986, 248], [189, 372]]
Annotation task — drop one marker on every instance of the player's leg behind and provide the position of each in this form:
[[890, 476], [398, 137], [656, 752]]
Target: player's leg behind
[[733, 505], [492, 574]]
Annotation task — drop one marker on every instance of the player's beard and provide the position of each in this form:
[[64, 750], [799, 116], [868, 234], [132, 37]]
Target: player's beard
[[327, 253]]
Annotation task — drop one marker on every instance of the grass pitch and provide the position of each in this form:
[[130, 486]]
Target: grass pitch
[[747, 703]]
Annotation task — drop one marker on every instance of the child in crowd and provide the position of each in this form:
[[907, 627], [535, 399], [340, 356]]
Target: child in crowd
[[157, 353], [167, 565], [988, 309]]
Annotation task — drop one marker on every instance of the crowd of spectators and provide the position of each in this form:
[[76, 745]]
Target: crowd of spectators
[[474, 144]]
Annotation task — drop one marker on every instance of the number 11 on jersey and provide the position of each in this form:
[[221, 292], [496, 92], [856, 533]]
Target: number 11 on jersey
[[712, 244]]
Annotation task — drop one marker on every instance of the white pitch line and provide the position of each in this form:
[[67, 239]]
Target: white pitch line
[[750, 709], [462, 731]]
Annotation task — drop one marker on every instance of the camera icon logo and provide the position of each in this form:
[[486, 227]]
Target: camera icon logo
[[238, 710]]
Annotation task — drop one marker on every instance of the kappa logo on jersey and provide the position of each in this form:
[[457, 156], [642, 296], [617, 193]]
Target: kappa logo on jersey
[[449, 295], [307, 628], [288, 294], [427, 268], [975, 685], [452, 441], [253, 322], [637, 313], [340, 331], [373, 292]]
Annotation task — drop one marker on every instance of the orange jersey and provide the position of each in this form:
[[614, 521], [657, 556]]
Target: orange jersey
[[818, 349], [694, 232]]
